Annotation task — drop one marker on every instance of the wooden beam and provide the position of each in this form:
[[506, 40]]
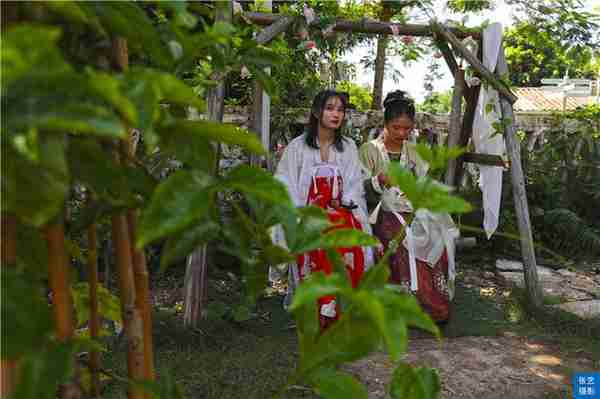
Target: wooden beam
[[475, 63], [483, 159], [534, 290], [448, 56], [367, 26], [267, 34], [455, 123], [466, 131]]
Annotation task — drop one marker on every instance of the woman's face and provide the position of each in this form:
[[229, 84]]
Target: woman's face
[[333, 112], [399, 128]]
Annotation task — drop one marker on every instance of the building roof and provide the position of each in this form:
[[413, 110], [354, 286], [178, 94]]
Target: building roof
[[537, 99]]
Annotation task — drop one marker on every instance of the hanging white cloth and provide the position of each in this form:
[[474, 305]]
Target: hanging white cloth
[[485, 139]]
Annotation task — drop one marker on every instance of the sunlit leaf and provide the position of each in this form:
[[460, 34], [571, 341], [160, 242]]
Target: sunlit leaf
[[257, 182], [184, 243], [315, 286], [333, 384], [176, 203], [418, 383], [216, 132]]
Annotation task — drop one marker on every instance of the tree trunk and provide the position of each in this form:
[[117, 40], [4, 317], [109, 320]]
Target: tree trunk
[[195, 284], [380, 59], [8, 375], [455, 123]]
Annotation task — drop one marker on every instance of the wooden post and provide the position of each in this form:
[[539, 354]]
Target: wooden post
[[471, 98], [455, 123], [194, 288], [534, 290], [261, 104]]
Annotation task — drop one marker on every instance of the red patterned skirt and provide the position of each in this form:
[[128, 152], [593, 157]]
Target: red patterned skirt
[[432, 291]]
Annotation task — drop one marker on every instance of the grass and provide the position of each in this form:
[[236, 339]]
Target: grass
[[252, 359]]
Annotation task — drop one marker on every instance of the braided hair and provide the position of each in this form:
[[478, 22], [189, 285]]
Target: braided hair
[[396, 104], [316, 113]]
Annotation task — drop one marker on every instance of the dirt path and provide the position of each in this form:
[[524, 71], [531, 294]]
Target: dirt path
[[480, 367]]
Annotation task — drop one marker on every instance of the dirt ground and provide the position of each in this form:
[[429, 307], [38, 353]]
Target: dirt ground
[[481, 367], [504, 366]]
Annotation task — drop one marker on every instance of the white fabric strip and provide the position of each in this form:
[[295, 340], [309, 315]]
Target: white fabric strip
[[412, 261]]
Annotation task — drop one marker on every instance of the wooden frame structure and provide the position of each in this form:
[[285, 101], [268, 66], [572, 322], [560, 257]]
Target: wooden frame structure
[[460, 127]]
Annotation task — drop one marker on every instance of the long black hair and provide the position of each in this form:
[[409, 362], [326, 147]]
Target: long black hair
[[316, 112], [397, 104]]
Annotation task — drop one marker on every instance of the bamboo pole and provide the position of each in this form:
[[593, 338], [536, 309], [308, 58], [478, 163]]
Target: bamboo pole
[[133, 323], [62, 306], [532, 284], [142, 288], [94, 365], [8, 244], [455, 123]]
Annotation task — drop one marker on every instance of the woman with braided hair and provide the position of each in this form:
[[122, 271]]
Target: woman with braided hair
[[423, 262]]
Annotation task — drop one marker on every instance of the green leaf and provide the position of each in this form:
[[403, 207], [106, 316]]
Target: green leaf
[[242, 313], [35, 191], [191, 149], [24, 48], [131, 22], [217, 132], [109, 306], [42, 371], [257, 182], [108, 89], [184, 243], [177, 202], [341, 238], [420, 383], [407, 308], [425, 193], [334, 384], [348, 339], [26, 319], [315, 286], [376, 277]]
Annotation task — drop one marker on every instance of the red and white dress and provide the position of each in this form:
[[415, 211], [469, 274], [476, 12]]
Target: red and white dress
[[310, 181]]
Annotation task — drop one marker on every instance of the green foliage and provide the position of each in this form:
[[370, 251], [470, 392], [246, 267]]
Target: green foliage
[[59, 136], [436, 103], [535, 53], [359, 96], [409, 382], [568, 233]]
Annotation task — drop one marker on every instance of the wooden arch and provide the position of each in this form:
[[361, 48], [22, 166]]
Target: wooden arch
[[460, 127]]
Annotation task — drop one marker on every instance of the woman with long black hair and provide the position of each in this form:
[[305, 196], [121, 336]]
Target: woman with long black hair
[[321, 167]]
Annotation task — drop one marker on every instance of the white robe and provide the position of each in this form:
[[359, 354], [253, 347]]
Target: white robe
[[295, 170]]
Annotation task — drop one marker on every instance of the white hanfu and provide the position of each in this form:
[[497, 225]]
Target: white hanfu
[[297, 169]]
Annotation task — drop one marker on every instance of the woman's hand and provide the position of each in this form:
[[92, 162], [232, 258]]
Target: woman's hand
[[335, 204]]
